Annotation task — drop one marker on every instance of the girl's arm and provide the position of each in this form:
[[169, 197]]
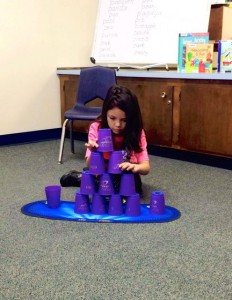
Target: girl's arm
[[92, 141], [142, 168]]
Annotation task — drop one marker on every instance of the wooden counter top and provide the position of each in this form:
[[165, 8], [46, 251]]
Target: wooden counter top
[[155, 74]]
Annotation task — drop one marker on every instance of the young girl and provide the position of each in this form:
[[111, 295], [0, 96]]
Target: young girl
[[121, 113]]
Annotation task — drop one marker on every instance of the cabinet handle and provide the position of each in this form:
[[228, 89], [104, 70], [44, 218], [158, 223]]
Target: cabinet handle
[[169, 102], [163, 95]]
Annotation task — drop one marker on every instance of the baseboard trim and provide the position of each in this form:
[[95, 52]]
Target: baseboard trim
[[52, 134], [194, 157], [184, 155], [30, 137]]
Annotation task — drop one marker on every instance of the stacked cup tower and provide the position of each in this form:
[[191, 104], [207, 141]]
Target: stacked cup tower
[[97, 183]]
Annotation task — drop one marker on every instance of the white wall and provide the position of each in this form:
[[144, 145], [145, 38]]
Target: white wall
[[36, 37]]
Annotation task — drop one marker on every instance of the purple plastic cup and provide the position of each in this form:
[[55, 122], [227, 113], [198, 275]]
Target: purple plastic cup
[[53, 193], [133, 205], [116, 158], [81, 203], [106, 187], [115, 205], [157, 203], [96, 163], [105, 141], [88, 184], [98, 205], [127, 184]]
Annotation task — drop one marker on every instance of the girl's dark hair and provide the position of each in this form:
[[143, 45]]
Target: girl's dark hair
[[122, 98]]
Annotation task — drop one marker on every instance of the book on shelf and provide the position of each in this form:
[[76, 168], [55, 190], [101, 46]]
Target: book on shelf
[[199, 58], [184, 38], [225, 56]]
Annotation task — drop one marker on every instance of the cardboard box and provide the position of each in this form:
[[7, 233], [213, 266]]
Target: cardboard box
[[220, 23]]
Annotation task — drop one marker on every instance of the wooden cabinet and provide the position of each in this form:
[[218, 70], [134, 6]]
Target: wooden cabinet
[[206, 118], [189, 114]]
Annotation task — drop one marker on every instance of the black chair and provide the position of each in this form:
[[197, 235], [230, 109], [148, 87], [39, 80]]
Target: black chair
[[94, 83]]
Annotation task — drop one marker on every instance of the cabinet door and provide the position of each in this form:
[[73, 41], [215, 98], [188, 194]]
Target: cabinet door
[[206, 118], [155, 100], [69, 90]]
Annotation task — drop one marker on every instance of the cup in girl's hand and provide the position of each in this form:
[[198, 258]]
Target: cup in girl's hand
[[133, 205], [157, 203], [106, 186], [53, 193], [105, 141], [116, 158], [115, 205], [127, 184], [98, 205], [96, 163], [88, 184], [81, 203]]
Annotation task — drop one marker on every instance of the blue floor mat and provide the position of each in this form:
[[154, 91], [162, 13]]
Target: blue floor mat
[[66, 212]]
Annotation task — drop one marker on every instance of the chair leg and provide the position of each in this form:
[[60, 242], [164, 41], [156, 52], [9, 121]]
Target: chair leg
[[71, 136], [62, 140]]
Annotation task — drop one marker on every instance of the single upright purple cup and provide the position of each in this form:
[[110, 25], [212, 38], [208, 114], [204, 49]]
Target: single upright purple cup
[[115, 205], [127, 184], [88, 183], [96, 163], [105, 141], [98, 205], [106, 187], [133, 205], [53, 193], [81, 203], [157, 203], [116, 158]]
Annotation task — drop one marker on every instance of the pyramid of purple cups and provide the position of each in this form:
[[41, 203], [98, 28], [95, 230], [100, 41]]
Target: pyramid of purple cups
[[98, 185]]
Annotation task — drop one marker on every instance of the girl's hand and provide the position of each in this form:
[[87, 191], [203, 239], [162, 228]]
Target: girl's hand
[[142, 168], [91, 145], [127, 166]]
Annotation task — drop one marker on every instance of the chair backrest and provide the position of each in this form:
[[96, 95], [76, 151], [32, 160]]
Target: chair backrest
[[94, 83]]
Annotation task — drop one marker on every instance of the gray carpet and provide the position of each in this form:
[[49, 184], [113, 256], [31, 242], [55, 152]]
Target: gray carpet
[[189, 258]]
